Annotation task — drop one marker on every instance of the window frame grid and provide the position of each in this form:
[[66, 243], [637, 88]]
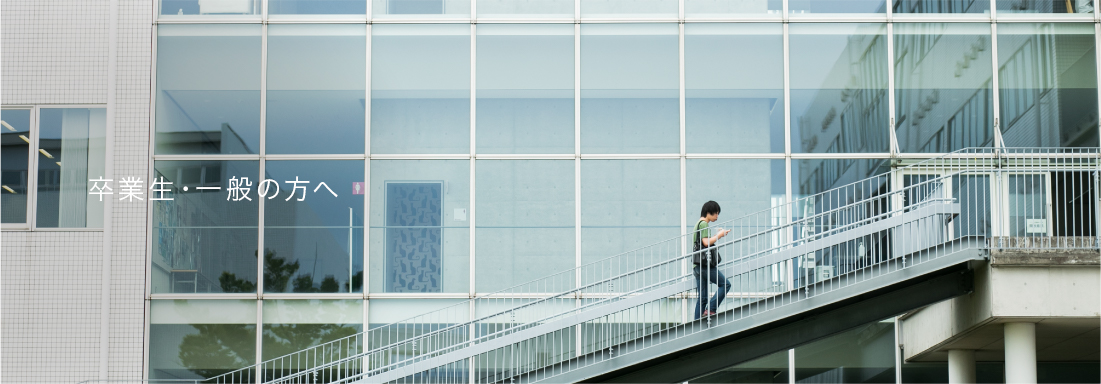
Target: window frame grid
[[784, 18], [31, 224]]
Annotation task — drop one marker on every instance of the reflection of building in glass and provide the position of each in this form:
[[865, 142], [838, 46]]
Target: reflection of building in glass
[[498, 142]]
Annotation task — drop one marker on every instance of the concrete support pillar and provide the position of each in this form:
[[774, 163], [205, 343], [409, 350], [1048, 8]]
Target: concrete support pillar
[[1020, 353], [961, 366]]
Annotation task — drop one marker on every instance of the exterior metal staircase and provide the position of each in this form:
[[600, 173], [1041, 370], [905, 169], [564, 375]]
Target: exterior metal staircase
[[875, 239]]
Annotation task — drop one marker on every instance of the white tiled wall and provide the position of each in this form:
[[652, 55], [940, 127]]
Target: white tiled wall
[[56, 52], [51, 306], [131, 159]]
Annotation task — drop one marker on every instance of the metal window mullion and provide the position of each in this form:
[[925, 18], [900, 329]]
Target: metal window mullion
[[32, 171], [259, 341], [891, 110], [263, 88], [787, 89], [260, 236], [263, 165], [366, 177], [683, 160], [578, 345], [999, 142], [473, 137], [1096, 38], [788, 236]]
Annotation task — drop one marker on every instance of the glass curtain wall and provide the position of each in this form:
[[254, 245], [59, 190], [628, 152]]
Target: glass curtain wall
[[468, 146]]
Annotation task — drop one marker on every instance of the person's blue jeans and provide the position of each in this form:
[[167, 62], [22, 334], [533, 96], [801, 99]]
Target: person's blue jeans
[[702, 285]]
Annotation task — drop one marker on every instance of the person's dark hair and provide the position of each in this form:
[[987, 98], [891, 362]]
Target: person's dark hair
[[709, 208]]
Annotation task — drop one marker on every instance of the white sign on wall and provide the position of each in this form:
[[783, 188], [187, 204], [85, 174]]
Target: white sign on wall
[[1036, 226]]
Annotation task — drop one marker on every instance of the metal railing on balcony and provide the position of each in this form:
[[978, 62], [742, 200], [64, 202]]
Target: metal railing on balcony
[[914, 219]]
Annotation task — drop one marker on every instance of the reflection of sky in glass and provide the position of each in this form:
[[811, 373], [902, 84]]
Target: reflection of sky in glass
[[734, 86], [629, 88], [208, 83], [317, 7], [525, 86], [316, 81], [420, 89], [836, 6]]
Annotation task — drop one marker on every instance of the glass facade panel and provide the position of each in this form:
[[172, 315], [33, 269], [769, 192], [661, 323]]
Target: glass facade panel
[[15, 153], [619, 328], [627, 204], [416, 317], [1028, 205], [204, 242], [525, 88], [525, 9], [943, 100], [1047, 74], [71, 153], [726, 8], [420, 9], [836, 6], [314, 235], [208, 89], [293, 325], [525, 226], [941, 6], [630, 88], [812, 177], [420, 236], [839, 88], [809, 177], [317, 7], [865, 354], [199, 339], [210, 7], [1064, 7], [768, 369], [420, 89], [973, 194], [741, 187], [207, 103], [734, 88], [629, 8], [317, 80]]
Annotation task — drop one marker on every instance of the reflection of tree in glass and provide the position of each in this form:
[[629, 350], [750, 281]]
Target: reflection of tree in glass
[[282, 339], [357, 282], [218, 348], [278, 272]]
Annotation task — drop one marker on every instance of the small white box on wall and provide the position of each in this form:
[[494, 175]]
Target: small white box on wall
[[226, 6]]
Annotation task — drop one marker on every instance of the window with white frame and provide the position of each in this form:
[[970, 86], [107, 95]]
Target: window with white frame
[[66, 148]]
